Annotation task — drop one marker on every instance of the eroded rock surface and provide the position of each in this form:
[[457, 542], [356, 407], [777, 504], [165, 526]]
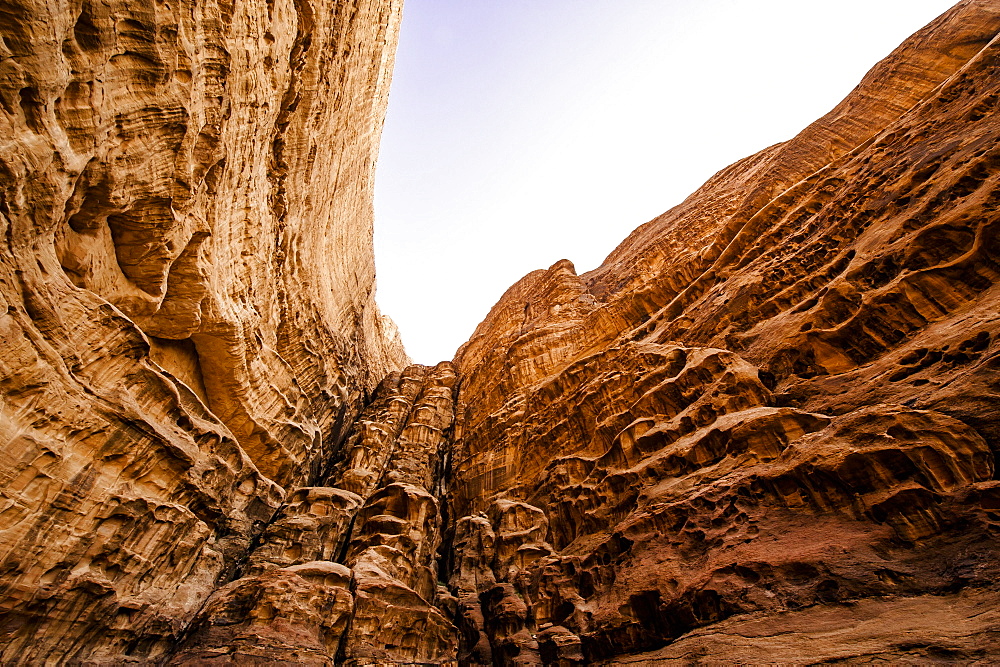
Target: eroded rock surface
[[187, 320], [348, 573], [765, 429], [775, 403]]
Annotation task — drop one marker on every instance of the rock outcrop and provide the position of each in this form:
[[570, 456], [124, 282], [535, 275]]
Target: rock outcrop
[[349, 570], [765, 429], [779, 397], [187, 323]]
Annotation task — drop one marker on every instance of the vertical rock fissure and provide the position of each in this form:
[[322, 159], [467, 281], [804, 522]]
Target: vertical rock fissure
[[368, 544], [289, 102], [772, 406]]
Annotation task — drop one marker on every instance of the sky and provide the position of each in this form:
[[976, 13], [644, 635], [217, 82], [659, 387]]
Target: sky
[[522, 132]]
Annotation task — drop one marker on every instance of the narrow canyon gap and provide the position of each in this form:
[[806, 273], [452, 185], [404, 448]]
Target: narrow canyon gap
[[764, 429]]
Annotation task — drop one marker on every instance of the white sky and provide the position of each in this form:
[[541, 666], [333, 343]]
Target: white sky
[[521, 132]]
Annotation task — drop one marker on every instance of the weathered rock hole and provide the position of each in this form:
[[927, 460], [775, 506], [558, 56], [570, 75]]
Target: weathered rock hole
[[87, 34], [31, 107]]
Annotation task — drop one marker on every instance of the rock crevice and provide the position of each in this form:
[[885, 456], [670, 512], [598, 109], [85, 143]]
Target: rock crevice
[[764, 429]]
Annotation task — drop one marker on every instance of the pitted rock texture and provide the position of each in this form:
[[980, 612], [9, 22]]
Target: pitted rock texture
[[764, 430], [187, 320], [776, 403]]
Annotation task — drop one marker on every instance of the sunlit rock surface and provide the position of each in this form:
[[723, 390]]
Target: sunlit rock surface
[[775, 404], [764, 430], [187, 323]]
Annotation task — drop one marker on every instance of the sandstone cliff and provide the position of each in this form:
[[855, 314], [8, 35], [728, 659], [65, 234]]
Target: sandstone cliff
[[765, 429], [187, 320], [776, 403]]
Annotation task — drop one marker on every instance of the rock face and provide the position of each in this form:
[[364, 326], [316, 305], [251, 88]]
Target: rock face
[[765, 429], [775, 404], [349, 572], [187, 321]]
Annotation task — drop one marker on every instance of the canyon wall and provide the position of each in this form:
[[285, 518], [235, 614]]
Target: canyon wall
[[765, 429], [187, 315], [776, 404]]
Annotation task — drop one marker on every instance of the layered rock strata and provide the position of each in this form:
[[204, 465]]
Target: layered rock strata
[[187, 323], [780, 397], [348, 572], [764, 429]]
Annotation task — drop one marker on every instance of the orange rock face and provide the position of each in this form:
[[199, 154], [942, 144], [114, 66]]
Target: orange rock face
[[764, 430], [177, 348], [780, 396]]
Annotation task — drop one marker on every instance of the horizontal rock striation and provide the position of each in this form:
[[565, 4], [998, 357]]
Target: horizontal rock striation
[[777, 398], [765, 429], [187, 320]]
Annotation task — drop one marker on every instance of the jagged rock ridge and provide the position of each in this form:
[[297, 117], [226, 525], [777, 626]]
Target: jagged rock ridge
[[764, 429], [777, 398]]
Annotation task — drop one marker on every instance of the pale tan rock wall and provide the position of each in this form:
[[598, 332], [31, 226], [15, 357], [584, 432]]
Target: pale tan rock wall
[[187, 316]]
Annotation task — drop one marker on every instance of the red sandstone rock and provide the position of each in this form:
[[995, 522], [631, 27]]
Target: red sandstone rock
[[765, 429], [780, 395]]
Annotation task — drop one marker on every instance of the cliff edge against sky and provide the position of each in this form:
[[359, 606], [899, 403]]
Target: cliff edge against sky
[[187, 284], [765, 429]]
